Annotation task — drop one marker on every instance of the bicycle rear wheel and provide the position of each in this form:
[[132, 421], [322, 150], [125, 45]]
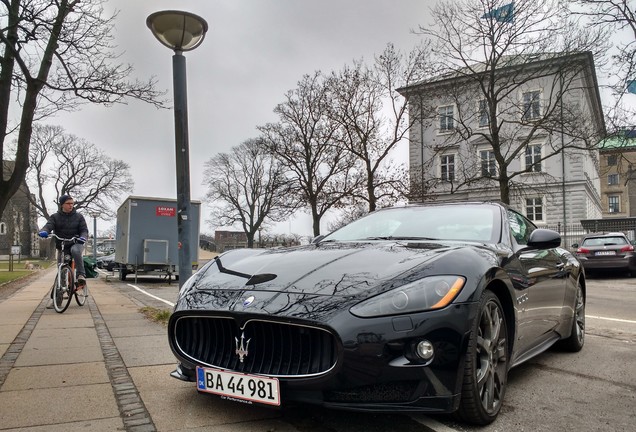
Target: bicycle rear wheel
[[81, 295], [62, 290]]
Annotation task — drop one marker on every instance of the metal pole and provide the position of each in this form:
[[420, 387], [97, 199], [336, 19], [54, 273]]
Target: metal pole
[[95, 238], [183, 166], [566, 243]]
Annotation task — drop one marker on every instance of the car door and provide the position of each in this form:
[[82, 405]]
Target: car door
[[540, 300]]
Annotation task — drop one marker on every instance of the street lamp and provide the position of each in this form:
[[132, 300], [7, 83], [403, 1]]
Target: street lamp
[[94, 215], [180, 31]]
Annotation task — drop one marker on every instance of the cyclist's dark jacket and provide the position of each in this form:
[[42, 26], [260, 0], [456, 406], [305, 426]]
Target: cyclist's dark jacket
[[66, 225]]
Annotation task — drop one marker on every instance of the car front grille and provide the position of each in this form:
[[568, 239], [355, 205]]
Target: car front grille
[[273, 349], [395, 392]]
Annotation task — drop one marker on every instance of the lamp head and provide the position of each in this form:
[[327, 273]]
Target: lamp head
[[179, 31]]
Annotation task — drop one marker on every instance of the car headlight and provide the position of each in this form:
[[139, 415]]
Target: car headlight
[[429, 293]]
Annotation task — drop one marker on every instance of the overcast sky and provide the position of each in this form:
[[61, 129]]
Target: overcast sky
[[254, 52]]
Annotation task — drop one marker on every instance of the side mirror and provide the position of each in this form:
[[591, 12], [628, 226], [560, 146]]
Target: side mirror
[[316, 240], [542, 238], [575, 246]]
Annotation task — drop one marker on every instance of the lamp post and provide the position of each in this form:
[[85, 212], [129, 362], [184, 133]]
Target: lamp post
[[94, 215], [180, 31]]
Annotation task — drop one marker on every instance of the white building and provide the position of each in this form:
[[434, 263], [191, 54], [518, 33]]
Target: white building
[[540, 149]]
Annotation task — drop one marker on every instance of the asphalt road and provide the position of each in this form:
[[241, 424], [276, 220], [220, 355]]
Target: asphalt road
[[594, 390]]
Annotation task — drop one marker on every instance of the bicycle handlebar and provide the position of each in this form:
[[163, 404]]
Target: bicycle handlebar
[[74, 239]]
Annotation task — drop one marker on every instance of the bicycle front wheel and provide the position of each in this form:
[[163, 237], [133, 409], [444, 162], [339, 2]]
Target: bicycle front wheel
[[81, 294], [62, 290]]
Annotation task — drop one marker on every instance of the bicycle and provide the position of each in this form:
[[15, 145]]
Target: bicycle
[[65, 285]]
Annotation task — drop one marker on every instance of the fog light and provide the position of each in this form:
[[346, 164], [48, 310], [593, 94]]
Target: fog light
[[424, 350]]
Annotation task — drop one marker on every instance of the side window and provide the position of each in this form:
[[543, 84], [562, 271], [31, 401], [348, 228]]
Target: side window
[[446, 118], [447, 167], [531, 105], [484, 116], [520, 227]]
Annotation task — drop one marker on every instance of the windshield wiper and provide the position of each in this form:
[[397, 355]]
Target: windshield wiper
[[251, 279]]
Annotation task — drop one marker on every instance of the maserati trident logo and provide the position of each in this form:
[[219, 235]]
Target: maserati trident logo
[[241, 349], [248, 301]]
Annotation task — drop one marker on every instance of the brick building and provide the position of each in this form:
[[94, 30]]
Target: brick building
[[18, 223]]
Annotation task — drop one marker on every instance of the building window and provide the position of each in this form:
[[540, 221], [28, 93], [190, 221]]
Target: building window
[[447, 165], [533, 158], [612, 160], [534, 209], [446, 122], [3, 228], [531, 105], [488, 163], [614, 203], [484, 114], [612, 179]]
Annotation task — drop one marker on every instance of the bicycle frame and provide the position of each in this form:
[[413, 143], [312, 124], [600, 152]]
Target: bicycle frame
[[65, 280]]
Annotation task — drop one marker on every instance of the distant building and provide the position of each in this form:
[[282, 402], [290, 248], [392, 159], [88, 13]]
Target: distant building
[[226, 240], [618, 174], [18, 223], [206, 242], [451, 156]]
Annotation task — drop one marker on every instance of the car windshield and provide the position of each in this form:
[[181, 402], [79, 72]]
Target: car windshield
[[605, 241], [474, 222]]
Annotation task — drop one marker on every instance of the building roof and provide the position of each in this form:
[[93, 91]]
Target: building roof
[[624, 139], [505, 64]]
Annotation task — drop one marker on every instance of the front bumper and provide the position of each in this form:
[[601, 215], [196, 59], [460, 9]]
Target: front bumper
[[376, 369]]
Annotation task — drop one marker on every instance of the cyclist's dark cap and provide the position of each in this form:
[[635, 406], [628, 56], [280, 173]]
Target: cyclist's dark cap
[[64, 198]]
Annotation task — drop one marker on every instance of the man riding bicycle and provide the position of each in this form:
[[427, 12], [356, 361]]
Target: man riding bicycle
[[68, 223]]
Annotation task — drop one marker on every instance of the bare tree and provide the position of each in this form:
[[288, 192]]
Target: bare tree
[[54, 55], [617, 18], [492, 60], [306, 141], [61, 163], [249, 187], [373, 119], [348, 215]]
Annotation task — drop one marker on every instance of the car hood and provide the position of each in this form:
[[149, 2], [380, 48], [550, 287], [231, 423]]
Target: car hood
[[310, 281]]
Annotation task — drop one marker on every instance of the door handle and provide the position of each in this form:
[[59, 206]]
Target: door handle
[[560, 266]]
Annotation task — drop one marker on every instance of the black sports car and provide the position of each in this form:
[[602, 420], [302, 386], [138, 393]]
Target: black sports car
[[416, 308]]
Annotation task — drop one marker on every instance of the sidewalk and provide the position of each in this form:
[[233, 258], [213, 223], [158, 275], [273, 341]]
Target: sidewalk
[[101, 367]]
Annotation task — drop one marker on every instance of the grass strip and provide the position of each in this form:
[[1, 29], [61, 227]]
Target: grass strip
[[156, 315]]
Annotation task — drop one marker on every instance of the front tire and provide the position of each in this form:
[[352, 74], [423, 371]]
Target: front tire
[[81, 295], [486, 368], [62, 289]]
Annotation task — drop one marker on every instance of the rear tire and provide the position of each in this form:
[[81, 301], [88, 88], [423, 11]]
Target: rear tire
[[574, 343], [486, 368], [62, 289]]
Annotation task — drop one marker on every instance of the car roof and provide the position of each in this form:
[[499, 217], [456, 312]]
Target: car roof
[[602, 234], [451, 203]]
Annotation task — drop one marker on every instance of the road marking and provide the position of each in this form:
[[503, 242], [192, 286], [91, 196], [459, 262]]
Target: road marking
[[611, 319], [433, 425], [151, 295]]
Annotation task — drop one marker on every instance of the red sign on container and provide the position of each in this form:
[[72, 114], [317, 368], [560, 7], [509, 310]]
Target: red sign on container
[[165, 211]]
